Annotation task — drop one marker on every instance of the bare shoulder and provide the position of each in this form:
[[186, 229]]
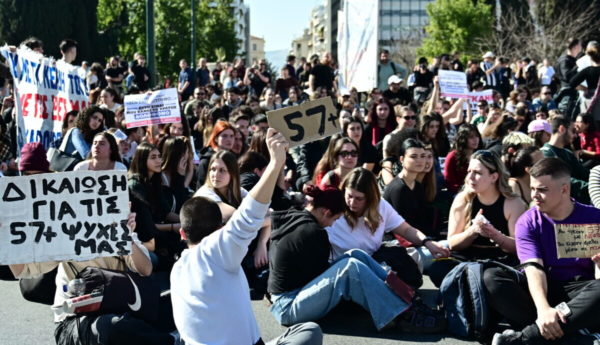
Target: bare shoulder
[[514, 206], [459, 201]]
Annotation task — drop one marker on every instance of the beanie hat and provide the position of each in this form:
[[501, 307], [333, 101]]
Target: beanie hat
[[33, 158]]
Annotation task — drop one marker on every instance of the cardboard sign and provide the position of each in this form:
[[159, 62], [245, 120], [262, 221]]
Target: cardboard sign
[[577, 240], [306, 122], [152, 108], [453, 84], [79, 215]]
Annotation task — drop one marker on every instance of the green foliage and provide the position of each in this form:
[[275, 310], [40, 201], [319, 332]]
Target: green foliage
[[172, 20], [216, 30], [53, 21], [454, 25]]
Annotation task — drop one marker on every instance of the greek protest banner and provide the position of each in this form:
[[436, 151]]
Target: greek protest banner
[[306, 122], [152, 108], [475, 97], [358, 27], [45, 90], [77, 215], [453, 84], [577, 240]]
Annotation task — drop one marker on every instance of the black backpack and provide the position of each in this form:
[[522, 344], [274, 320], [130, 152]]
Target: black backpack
[[122, 292]]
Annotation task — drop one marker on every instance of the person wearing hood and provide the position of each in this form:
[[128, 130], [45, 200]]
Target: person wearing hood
[[304, 286]]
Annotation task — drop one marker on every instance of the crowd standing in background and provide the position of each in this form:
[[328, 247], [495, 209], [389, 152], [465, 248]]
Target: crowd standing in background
[[413, 184]]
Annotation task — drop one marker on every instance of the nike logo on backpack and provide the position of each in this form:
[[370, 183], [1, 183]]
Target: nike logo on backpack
[[138, 301]]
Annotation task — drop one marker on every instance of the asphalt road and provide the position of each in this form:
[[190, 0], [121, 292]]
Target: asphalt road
[[23, 322]]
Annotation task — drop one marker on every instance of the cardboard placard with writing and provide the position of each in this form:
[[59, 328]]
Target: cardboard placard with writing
[[79, 215], [453, 84], [306, 122], [577, 240], [151, 108]]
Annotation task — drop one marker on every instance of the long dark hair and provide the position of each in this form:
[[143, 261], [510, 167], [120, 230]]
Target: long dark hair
[[461, 143], [588, 120], [173, 150], [440, 143], [115, 156], [522, 159], [82, 122], [372, 114], [139, 171]]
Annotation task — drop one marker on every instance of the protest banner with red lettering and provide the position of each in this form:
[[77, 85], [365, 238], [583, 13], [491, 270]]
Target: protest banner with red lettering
[[45, 90]]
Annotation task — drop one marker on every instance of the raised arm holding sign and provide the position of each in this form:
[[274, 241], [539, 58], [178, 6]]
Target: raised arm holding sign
[[306, 122]]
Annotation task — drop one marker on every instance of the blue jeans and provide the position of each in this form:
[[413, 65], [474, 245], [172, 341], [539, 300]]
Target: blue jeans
[[354, 276]]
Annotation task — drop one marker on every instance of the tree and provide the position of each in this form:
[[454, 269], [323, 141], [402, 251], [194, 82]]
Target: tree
[[541, 31], [217, 30], [214, 29], [53, 21], [454, 25]]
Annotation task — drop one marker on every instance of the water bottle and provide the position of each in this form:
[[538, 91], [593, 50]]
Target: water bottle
[[76, 287]]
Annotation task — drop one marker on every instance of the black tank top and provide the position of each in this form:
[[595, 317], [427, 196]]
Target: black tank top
[[495, 214]]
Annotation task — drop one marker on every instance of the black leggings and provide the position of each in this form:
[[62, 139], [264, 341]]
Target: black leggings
[[508, 294]]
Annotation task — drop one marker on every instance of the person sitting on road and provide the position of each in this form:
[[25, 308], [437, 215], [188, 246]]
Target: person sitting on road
[[305, 286], [210, 297], [471, 237], [554, 297], [95, 329]]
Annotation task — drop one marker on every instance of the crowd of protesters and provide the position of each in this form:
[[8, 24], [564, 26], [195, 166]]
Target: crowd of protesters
[[414, 184]]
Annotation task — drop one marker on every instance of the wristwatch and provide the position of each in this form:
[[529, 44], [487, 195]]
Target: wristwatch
[[427, 239]]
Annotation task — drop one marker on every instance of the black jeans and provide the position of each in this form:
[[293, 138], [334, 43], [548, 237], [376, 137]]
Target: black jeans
[[109, 329], [508, 294]]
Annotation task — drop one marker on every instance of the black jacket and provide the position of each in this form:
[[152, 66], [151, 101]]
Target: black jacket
[[299, 250]]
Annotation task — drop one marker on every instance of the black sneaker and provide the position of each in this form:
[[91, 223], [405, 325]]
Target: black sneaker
[[508, 337], [422, 319]]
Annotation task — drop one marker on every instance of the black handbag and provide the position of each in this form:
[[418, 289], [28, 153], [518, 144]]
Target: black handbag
[[59, 159]]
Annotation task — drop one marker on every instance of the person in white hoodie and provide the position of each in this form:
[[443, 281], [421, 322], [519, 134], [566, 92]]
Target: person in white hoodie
[[210, 294]]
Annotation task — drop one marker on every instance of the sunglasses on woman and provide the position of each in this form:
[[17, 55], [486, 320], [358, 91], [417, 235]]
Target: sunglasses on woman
[[346, 154]]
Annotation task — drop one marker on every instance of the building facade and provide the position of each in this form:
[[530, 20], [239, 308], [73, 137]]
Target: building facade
[[257, 49], [399, 21], [241, 13]]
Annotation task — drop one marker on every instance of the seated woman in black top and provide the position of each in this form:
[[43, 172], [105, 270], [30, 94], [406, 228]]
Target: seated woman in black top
[[486, 193], [405, 193], [367, 154]]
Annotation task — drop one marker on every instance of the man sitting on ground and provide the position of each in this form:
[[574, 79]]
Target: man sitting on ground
[[210, 294], [555, 297]]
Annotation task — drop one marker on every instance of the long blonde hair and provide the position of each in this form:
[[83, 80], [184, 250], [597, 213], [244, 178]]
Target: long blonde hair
[[363, 180], [494, 165]]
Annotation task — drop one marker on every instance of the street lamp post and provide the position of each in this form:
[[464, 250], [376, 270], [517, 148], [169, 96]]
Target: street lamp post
[[193, 55], [150, 54]]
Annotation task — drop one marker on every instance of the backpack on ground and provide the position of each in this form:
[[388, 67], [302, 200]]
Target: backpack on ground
[[465, 300]]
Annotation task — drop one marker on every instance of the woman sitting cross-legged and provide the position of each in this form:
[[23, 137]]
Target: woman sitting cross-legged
[[470, 236], [305, 286]]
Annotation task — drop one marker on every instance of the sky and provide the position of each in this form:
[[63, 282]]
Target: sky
[[279, 21]]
